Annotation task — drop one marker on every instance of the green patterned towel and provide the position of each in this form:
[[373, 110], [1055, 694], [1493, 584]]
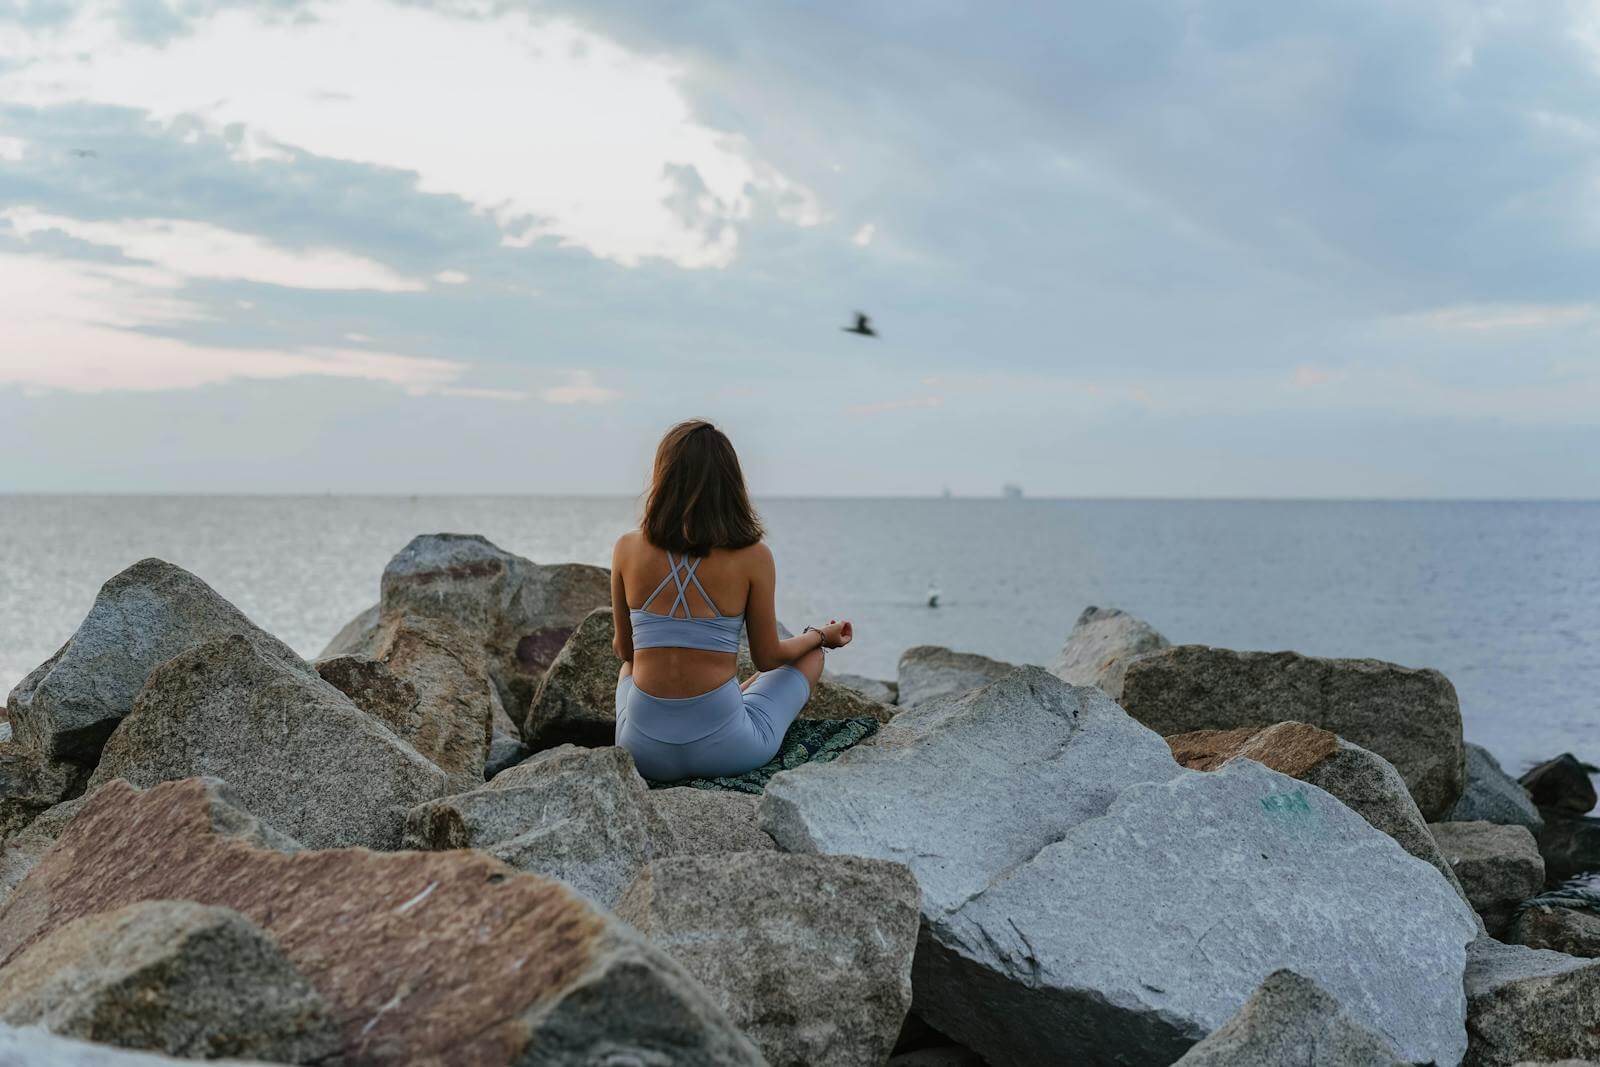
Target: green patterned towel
[[808, 741]]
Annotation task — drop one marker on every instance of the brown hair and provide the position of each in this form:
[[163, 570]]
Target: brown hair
[[697, 500]]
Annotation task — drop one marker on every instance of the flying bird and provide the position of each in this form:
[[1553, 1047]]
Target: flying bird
[[863, 326], [85, 153]]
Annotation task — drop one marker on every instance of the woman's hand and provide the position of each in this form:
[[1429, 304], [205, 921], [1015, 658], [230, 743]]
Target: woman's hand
[[836, 634]]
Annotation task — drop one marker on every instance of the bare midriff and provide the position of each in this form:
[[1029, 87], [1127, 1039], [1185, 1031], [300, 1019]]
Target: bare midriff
[[680, 672]]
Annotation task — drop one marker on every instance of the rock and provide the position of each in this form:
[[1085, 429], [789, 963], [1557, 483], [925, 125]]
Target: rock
[[169, 976], [519, 612], [937, 1056], [33, 1047], [809, 955], [431, 687], [31, 783], [582, 815], [968, 786], [1569, 845], [1101, 645], [296, 751], [23, 851], [1561, 785], [68, 705], [423, 957], [929, 671], [1366, 782], [1527, 1004], [1499, 866], [577, 701], [708, 822], [1492, 795], [878, 691], [1291, 1022], [1574, 931], [1409, 717], [504, 752]]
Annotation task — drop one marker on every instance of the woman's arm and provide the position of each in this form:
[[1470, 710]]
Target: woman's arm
[[767, 650], [622, 643]]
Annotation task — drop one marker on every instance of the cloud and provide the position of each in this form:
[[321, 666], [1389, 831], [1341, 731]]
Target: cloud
[[579, 388], [452, 277], [863, 236], [1308, 377], [883, 406], [1479, 318]]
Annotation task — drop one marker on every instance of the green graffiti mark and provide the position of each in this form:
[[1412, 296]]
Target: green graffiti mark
[[1290, 804]]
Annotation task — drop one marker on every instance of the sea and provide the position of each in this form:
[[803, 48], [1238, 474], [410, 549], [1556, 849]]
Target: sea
[[1503, 597]]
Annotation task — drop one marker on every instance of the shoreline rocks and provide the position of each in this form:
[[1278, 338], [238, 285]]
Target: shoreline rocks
[[1101, 645], [1499, 866], [930, 671], [1528, 1004]]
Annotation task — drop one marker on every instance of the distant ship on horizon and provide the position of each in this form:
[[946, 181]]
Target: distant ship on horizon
[[1011, 491]]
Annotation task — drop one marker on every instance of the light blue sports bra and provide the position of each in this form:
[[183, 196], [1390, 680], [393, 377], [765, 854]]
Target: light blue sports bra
[[720, 633]]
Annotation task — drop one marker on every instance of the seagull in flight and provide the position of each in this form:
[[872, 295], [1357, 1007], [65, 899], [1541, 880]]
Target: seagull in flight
[[863, 326], [85, 153]]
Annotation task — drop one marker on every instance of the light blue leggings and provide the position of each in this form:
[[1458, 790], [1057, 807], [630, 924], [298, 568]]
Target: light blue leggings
[[716, 734]]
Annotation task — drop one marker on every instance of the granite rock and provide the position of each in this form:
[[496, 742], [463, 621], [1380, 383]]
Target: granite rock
[[31, 783], [1574, 931], [294, 749], [708, 822], [31, 1046], [1529, 1004], [422, 957], [1101, 645], [1409, 717], [1569, 845], [930, 671], [1291, 1022], [169, 976], [1499, 866], [1492, 795], [68, 705], [1561, 786], [809, 955], [873, 689]]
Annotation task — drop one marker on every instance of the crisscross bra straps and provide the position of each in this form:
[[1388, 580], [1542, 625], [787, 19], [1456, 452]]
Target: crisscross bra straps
[[720, 633]]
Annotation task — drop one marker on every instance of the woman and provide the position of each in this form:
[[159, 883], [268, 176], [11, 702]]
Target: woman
[[682, 585]]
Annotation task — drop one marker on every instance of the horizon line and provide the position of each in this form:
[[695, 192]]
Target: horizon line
[[1130, 498]]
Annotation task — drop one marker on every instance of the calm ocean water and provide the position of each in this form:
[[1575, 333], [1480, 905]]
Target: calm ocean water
[[1502, 597]]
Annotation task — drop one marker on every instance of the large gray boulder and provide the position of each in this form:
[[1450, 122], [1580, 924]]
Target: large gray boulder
[[577, 701], [709, 822], [1492, 795], [1409, 717], [1291, 1022], [582, 815], [169, 976], [1105, 957], [872, 688], [969, 786], [1101, 645], [31, 783], [69, 704], [430, 687], [808, 955], [1529, 1004], [1573, 931], [929, 671], [1499, 867], [1561, 786], [519, 613], [293, 748], [31, 1046]]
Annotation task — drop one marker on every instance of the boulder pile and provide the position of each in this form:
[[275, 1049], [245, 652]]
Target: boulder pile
[[423, 847]]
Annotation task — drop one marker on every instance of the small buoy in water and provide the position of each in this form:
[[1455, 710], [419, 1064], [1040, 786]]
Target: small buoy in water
[[933, 596]]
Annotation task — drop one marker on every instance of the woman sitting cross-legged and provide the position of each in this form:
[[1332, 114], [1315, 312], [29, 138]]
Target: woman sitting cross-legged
[[682, 585]]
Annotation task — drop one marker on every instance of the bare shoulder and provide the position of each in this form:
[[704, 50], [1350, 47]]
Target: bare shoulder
[[752, 558], [627, 545]]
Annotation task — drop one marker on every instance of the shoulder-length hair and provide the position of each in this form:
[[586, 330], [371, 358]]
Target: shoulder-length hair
[[697, 500]]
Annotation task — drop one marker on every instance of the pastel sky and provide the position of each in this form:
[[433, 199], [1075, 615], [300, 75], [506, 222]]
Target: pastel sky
[[1198, 248]]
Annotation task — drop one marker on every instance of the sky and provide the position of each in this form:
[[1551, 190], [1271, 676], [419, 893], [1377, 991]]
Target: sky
[[1188, 248]]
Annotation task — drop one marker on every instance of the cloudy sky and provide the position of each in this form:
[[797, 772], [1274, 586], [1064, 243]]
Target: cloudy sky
[[1187, 248]]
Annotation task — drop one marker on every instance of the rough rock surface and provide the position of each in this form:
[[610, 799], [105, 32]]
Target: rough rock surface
[[1573, 931], [582, 815], [1561, 785], [152, 611], [31, 783], [431, 687], [968, 786], [30, 1046], [577, 702], [1291, 1022], [519, 612], [708, 822], [169, 976], [1101, 645], [1499, 866], [1570, 846], [1409, 717], [1366, 782], [422, 957], [1492, 795], [22, 852], [504, 753], [872, 688], [809, 955], [1528, 1004], [296, 751], [1104, 956], [929, 671]]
